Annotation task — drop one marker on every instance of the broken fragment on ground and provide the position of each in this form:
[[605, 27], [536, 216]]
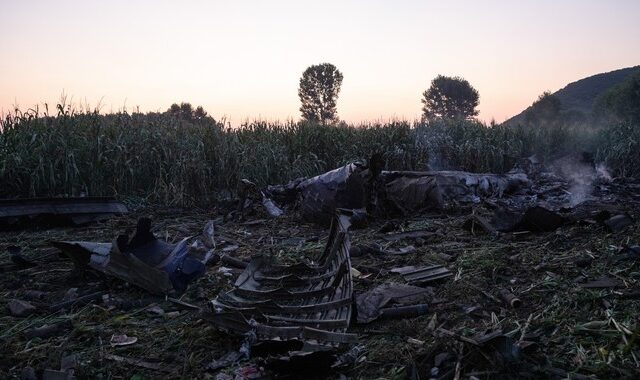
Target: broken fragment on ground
[[504, 278]]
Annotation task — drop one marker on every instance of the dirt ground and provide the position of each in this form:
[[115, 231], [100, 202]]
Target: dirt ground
[[563, 329]]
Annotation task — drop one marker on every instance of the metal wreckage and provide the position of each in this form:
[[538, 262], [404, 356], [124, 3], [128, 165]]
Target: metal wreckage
[[312, 302]]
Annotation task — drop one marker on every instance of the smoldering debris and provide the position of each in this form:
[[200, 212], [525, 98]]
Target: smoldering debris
[[295, 312], [362, 185], [530, 197]]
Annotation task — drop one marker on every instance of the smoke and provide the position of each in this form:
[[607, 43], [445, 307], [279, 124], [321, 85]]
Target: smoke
[[581, 177], [603, 173]]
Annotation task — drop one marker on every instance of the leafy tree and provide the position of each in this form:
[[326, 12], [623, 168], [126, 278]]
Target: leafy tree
[[622, 102], [318, 92], [546, 109], [449, 98], [185, 111], [200, 113]]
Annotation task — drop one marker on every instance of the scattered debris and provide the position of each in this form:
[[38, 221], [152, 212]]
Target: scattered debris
[[308, 301], [426, 274], [82, 300], [52, 374], [346, 187], [233, 262], [58, 211], [122, 340], [227, 360], [18, 259], [628, 253], [404, 311], [534, 219], [49, 330], [69, 362], [295, 308], [28, 373], [509, 298], [139, 363], [154, 265], [371, 305], [273, 210], [400, 251], [19, 308], [476, 223], [410, 192], [618, 222], [417, 234], [604, 282]]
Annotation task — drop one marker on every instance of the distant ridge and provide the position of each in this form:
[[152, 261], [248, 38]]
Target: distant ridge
[[579, 96]]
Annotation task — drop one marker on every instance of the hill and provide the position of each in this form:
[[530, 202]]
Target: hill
[[579, 96]]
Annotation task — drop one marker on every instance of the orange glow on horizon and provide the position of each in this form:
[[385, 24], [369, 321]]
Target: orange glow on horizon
[[242, 60]]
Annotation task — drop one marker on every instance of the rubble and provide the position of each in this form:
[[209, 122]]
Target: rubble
[[553, 289], [371, 305], [619, 222], [308, 301], [154, 265], [509, 298], [348, 187], [411, 192], [19, 308], [362, 185], [47, 331], [58, 211], [426, 274]]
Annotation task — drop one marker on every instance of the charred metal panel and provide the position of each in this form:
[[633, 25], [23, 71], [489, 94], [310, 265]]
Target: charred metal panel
[[310, 301]]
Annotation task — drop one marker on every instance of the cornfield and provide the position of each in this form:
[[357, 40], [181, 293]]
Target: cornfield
[[172, 160]]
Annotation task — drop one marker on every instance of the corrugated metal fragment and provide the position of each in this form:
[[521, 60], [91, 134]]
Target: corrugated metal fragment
[[307, 301]]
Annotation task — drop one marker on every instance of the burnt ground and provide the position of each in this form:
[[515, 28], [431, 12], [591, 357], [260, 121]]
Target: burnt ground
[[561, 328]]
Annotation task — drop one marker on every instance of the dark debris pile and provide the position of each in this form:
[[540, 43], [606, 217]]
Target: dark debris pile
[[426, 275]]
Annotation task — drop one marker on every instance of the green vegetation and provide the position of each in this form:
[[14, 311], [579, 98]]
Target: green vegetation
[[318, 92], [546, 109], [449, 98], [578, 100], [186, 158], [621, 102]]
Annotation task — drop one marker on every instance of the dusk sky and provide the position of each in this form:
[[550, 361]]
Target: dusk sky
[[243, 59]]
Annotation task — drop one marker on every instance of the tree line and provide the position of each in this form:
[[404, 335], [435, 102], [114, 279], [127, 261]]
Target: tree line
[[447, 98], [454, 98]]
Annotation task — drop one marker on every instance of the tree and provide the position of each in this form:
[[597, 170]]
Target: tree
[[546, 109], [622, 102], [318, 92], [185, 111], [449, 98]]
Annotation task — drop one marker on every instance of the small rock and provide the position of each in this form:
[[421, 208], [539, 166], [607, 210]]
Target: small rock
[[19, 308]]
